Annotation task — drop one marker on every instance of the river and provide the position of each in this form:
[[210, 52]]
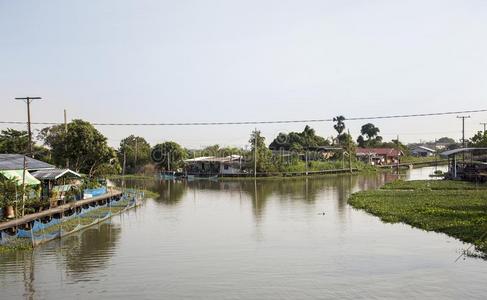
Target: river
[[245, 239]]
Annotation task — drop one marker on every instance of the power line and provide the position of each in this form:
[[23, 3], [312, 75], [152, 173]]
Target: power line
[[262, 122], [463, 129]]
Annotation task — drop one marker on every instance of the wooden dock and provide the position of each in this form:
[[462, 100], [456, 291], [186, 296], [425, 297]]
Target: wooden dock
[[57, 210]]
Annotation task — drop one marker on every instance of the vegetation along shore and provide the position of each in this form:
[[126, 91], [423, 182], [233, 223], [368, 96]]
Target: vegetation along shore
[[456, 208]]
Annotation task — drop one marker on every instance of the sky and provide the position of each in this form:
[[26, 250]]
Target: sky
[[215, 61]]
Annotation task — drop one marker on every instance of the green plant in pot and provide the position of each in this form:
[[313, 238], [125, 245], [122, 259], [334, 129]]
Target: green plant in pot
[[8, 195]]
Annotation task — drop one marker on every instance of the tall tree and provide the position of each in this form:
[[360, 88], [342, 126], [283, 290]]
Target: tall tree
[[13, 141], [264, 155], [137, 152], [478, 140], [16, 141], [298, 140], [83, 145], [168, 156], [370, 131], [340, 124]]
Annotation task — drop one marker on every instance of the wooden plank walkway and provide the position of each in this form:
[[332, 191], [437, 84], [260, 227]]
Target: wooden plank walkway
[[62, 208]]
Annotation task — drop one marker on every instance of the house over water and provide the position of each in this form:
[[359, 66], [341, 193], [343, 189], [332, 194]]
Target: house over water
[[211, 165], [467, 164]]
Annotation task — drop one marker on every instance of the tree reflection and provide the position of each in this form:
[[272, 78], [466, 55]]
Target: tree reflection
[[90, 249]]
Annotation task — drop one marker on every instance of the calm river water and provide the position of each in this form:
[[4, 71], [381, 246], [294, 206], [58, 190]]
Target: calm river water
[[248, 240]]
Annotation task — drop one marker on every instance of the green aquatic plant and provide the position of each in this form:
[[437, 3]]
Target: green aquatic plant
[[456, 208]]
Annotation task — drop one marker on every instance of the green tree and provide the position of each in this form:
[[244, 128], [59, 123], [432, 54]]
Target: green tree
[[446, 140], [137, 153], [13, 141], [83, 145], [264, 155], [298, 140], [8, 191], [16, 141], [168, 156], [478, 140], [212, 150], [371, 133], [340, 124]]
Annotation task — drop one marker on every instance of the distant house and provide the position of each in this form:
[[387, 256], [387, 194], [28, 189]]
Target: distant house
[[379, 156], [211, 165], [422, 151]]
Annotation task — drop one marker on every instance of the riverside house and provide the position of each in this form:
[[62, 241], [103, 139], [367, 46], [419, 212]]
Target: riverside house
[[211, 165], [379, 156]]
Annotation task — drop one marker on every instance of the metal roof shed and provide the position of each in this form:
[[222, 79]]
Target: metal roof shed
[[55, 174], [16, 162]]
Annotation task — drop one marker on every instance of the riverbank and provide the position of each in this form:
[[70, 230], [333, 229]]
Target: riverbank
[[456, 208], [315, 169], [59, 228]]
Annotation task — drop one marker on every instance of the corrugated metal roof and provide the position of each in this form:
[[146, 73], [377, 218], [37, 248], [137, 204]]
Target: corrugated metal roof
[[460, 150], [16, 162], [424, 148], [214, 159], [18, 176], [54, 174]]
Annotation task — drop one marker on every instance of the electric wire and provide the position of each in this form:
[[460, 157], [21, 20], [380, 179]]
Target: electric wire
[[262, 122]]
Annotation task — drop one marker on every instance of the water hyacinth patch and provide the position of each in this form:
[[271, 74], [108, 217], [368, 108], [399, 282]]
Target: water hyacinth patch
[[456, 208]]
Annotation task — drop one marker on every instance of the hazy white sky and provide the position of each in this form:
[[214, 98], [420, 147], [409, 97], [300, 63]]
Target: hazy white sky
[[178, 61]]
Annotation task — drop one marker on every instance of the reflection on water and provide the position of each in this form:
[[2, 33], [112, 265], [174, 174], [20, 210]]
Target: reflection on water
[[246, 239]]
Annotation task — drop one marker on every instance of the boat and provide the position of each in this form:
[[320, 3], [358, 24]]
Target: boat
[[171, 175], [201, 177]]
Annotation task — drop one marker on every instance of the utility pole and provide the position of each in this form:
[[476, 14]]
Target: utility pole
[[463, 128], [306, 161], [398, 154], [484, 123], [136, 150], [255, 152], [28, 100], [349, 151], [463, 134], [436, 156], [65, 139]]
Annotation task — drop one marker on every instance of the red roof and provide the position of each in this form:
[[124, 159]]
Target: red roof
[[389, 152]]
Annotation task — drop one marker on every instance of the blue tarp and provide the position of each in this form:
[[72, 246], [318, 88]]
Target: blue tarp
[[96, 192], [40, 226], [5, 237], [23, 233]]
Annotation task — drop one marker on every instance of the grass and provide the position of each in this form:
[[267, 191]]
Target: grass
[[17, 244], [422, 160], [150, 194], [131, 176], [458, 209], [86, 218]]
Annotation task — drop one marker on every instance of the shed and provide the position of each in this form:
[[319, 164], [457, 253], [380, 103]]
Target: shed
[[16, 162], [422, 151], [51, 178], [467, 163]]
